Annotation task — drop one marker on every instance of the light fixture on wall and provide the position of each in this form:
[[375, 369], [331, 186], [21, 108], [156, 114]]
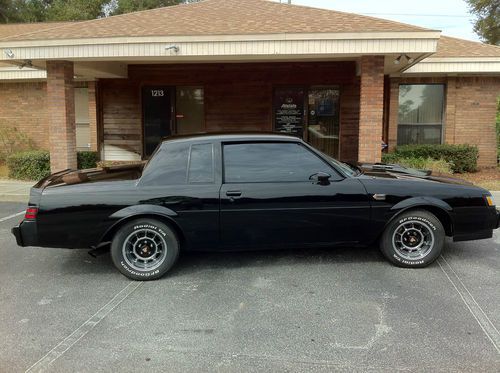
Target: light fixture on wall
[[173, 48], [9, 53], [409, 59], [26, 63]]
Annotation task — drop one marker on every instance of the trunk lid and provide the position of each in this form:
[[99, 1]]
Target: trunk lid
[[92, 175]]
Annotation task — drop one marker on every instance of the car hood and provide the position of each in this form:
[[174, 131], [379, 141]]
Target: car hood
[[92, 175], [394, 171]]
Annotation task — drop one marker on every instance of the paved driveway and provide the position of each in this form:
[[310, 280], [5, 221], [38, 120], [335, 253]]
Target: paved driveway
[[304, 310]]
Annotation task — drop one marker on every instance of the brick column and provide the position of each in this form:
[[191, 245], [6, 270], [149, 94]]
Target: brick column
[[61, 108], [371, 110], [393, 113], [91, 87]]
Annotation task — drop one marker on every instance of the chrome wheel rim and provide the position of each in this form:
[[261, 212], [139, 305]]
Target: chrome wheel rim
[[144, 250], [413, 239]]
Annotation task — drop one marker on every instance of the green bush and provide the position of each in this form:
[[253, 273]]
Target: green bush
[[29, 165], [35, 164], [86, 159], [434, 165], [12, 140], [463, 158]]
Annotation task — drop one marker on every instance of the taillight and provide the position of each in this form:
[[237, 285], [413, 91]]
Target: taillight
[[31, 213]]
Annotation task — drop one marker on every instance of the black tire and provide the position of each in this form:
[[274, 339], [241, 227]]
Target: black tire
[[413, 239], [144, 249]]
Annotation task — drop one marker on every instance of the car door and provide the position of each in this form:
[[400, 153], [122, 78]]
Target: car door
[[274, 194]]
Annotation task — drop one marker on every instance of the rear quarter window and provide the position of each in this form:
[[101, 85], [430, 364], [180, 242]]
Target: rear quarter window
[[180, 164]]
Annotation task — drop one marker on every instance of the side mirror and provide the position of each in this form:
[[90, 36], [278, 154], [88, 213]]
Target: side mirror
[[321, 178]]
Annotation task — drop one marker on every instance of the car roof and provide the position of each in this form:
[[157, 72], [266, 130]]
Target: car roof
[[233, 136]]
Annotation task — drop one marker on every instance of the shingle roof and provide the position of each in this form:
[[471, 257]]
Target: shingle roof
[[218, 17], [13, 29], [453, 47]]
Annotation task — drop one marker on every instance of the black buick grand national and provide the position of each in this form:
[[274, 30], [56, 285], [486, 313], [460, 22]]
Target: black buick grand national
[[250, 191]]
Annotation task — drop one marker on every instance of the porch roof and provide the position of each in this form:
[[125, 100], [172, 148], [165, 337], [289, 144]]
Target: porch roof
[[238, 31], [459, 56]]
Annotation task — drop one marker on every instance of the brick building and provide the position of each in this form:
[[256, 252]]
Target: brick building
[[343, 82]]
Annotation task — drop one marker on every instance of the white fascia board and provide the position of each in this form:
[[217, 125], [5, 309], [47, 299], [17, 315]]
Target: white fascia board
[[281, 44], [478, 65], [14, 74]]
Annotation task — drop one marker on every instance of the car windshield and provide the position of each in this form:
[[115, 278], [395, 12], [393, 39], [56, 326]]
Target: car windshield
[[345, 167]]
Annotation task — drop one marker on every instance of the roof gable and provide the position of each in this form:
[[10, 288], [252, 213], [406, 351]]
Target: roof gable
[[220, 17]]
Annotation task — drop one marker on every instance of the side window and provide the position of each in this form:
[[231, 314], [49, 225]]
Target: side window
[[201, 164], [270, 162], [168, 165]]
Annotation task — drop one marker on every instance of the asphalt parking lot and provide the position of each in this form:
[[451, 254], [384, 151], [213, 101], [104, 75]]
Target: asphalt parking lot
[[314, 310]]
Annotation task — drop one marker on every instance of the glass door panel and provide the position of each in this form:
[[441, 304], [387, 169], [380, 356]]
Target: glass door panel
[[323, 119], [189, 110]]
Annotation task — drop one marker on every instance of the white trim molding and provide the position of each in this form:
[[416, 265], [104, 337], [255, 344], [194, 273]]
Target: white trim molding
[[121, 49], [456, 65], [14, 74]]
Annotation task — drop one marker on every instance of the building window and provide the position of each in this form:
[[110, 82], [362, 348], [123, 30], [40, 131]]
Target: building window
[[420, 115], [82, 119]]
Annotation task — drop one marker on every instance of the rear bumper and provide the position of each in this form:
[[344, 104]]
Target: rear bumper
[[26, 233]]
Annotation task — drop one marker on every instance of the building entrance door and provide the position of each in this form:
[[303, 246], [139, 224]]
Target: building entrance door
[[157, 111]]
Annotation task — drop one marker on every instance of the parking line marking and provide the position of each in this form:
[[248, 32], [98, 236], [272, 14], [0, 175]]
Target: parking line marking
[[11, 216], [475, 309], [68, 342]]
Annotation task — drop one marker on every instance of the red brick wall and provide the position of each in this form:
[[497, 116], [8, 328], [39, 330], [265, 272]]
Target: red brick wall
[[469, 116], [371, 112], [237, 96], [24, 106], [61, 109], [349, 119]]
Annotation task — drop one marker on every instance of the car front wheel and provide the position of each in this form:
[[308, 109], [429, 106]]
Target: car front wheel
[[144, 249], [413, 239]]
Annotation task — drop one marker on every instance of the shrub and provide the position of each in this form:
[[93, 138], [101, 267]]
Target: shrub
[[29, 165], [35, 164], [463, 158], [436, 166], [12, 141], [86, 159]]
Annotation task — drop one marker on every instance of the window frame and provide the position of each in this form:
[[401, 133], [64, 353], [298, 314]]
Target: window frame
[[335, 174], [443, 113]]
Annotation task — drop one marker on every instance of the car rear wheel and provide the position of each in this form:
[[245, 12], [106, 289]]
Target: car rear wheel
[[413, 239], [144, 249]]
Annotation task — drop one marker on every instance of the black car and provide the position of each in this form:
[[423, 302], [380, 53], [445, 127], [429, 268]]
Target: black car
[[250, 191]]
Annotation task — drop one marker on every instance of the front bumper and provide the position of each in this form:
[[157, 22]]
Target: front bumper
[[26, 233]]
